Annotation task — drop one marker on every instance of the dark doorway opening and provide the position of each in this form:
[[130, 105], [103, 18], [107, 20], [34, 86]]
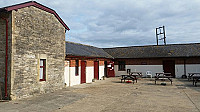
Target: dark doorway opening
[[105, 69], [169, 67]]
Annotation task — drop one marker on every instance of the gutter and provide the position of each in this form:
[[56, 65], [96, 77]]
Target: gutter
[[6, 65]]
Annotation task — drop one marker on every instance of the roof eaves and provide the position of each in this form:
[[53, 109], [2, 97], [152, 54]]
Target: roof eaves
[[38, 5]]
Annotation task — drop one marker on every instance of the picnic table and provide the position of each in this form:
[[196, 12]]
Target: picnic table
[[195, 80], [137, 74], [163, 76], [129, 77], [190, 75]]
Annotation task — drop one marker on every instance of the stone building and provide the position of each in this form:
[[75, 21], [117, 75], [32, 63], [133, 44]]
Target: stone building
[[32, 52]]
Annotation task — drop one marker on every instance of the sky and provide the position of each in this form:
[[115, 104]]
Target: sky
[[119, 23]]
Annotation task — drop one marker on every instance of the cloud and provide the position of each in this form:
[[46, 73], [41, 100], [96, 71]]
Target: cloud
[[110, 23]]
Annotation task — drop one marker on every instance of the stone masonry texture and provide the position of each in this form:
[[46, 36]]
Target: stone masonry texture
[[36, 34]]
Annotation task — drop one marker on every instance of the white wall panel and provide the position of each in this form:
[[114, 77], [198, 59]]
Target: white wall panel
[[74, 80], [66, 74], [89, 74], [101, 72], [192, 68], [179, 70], [140, 68]]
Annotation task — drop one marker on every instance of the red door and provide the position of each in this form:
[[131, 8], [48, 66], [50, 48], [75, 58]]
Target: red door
[[83, 73], [110, 68], [169, 67], [96, 70]]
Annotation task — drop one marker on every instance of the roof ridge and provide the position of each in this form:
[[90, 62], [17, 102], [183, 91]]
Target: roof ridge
[[35, 4], [153, 45], [91, 49], [82, 44]]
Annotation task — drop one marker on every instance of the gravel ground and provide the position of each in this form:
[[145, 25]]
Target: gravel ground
[[112, 96]]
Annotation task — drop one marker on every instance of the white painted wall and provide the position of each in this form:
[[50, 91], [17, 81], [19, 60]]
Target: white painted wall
[[74, 80], [179, 69], [89, 74], [140, 68], [192, 68], [66, 74], [71, 79], [101, 72]]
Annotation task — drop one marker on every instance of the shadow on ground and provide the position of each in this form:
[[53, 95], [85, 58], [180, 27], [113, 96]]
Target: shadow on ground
[[188, 84]]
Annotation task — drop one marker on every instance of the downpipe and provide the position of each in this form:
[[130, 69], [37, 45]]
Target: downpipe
[[6, 65]]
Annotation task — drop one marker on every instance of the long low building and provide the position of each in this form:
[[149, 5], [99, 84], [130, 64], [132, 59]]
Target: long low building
[[85, 64], [35, 59], [177, 59]]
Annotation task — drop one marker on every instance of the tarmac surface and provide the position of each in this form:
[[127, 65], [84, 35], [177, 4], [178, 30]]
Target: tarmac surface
[[112, 96]]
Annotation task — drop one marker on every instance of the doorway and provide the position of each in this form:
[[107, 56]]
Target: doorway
[[96, 70], [83, 72], [169, 67], [105, 68]]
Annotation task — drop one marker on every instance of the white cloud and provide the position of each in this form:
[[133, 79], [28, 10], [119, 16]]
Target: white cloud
[[109, 23]]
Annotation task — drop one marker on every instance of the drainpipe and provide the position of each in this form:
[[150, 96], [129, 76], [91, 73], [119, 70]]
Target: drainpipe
[[6, 65], [69, 75]]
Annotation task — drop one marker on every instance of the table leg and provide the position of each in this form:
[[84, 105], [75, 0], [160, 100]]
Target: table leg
[[136, 79], [170, 80], [193, 80]]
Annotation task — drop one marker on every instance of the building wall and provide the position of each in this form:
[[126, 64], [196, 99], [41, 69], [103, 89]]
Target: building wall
[[3, 52], [67, 73], [101, 70], [72, 79], [36, 34], [139, 68], [155, 65], [89, 71]]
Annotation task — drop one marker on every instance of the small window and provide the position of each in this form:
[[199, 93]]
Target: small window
[[76, 67], [42, 69], [121, 66]]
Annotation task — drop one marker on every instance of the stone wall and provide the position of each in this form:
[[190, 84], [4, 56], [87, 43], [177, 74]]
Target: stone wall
[[3, 52], [36, 35]]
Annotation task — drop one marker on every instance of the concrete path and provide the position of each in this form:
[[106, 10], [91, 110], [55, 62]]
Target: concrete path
[[112, 96]]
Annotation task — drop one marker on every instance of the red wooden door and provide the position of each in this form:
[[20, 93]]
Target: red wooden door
[[83, 72], [96, 70], [110, 68], [169, 67]]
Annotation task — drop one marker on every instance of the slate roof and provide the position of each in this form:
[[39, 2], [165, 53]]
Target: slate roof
[[153, 51], [35, 4], [76, 49]]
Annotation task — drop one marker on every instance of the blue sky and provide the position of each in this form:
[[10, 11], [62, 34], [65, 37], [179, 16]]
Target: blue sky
[[114, 23]]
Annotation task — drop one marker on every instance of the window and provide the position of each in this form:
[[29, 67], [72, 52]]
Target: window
[[42, 69], [76, 67], [121, 66]]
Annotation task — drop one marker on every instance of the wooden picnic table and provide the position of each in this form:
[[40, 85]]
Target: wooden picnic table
[[129, 77], [190, 75], [163, 75], [138, 74], [195, 79]]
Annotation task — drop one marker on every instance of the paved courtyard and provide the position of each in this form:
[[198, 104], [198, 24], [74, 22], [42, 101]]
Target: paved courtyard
[[112, 96]]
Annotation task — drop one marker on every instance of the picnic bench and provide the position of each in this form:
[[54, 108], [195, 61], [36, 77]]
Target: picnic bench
[[195, 80], [190, 75], [128, 77], [163, 76], [137, 74]]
